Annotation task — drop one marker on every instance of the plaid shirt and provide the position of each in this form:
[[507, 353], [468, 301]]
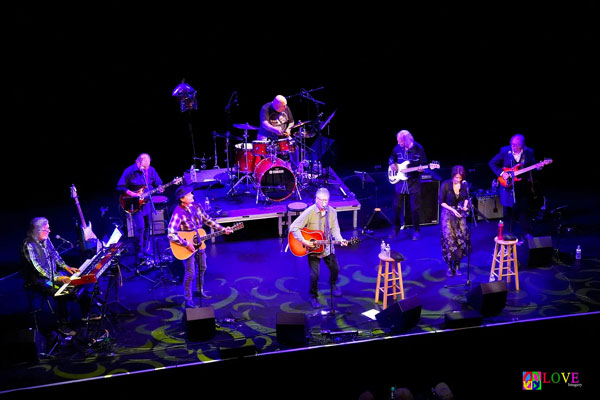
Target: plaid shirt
[[44, 259], [189, 219]]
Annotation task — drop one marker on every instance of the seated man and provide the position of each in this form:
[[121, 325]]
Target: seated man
[[44, 272]]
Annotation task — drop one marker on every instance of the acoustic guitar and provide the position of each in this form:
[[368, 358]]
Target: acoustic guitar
[[403, 169], [197, 237], [317, 239]]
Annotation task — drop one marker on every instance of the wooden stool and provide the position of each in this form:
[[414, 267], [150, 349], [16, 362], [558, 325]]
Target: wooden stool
[[392, 280], [296, 209], [505, 253]]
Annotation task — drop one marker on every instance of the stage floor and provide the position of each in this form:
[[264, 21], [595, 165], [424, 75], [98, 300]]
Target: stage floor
[[252, 278]]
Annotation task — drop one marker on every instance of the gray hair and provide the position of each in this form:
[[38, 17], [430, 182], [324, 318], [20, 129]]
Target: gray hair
[[322, 191], [36, 225]]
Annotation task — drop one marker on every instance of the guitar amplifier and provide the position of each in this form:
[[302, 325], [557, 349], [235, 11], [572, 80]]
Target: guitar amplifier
[[430, 207], [489, 205], [159, 220]]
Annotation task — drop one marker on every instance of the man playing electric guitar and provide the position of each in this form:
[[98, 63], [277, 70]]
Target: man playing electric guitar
[[515, 196], [320, 216], [189, 216], [138, 176]]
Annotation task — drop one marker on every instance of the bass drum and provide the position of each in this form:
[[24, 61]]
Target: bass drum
[[275, 179]]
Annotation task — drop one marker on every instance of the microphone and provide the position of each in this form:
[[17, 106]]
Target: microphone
[[464, 182], [63, 239]]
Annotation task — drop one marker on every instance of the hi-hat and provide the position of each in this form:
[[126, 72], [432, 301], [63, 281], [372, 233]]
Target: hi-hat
[[245, 126], [304, 134]]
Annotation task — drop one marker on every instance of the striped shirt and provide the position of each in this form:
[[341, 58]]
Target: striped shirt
[[189, 219]]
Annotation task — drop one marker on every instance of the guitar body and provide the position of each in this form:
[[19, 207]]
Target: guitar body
[[400, 175], [131, 204], [512, 178], [298, 249], [397, 176]]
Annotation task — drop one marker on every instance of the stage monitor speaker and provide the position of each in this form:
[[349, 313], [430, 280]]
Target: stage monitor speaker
[[292, 329], [541, 251], [489, 206], [488, 298], [20, 346], [402, 315], [200, 323], [462, 319], [430, 207]]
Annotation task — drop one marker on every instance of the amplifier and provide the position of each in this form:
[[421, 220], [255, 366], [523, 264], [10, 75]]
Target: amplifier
[[159, 219], [489, 206], [430, 207]]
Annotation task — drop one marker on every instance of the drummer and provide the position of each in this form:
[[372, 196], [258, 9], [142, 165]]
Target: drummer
[[276, 120]]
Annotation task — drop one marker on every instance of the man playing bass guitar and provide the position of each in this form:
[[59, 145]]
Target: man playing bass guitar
[[320, 216]]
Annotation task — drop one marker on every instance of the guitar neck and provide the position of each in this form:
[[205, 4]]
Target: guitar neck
[[527, 169], [83, 224]]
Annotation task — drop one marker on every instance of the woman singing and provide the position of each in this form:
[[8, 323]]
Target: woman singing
[[454, 200]]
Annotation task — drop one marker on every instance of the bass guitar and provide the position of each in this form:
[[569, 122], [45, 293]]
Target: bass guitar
[[197, 237], [89, 241], [403, 169], [317, 240], [132, 204], [516, 171]]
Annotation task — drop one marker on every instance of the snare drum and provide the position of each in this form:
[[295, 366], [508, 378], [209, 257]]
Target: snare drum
[[244, 159], [260, 148], [275, 179], [286, 145]]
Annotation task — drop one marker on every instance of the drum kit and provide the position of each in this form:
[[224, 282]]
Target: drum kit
[[274, 168]]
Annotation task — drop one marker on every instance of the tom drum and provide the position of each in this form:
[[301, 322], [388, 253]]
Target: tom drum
[[244, 159]]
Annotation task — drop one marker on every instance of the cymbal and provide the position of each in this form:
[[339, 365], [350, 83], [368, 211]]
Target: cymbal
[[298, 125], [245, 126], [305, 134], [227, 135]]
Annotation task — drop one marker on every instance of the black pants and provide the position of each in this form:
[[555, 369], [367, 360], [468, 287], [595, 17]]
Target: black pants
[[314, 263], [414, 200]]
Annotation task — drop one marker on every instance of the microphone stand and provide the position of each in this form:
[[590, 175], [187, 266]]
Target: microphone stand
[[470, 205]]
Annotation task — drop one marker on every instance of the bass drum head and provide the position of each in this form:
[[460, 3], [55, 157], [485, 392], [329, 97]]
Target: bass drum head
[[275, 179]]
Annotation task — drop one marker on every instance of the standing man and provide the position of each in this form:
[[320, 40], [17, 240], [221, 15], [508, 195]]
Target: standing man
[[410, 152], [132, 183], [189, 216], [515, 196], [320, 216]]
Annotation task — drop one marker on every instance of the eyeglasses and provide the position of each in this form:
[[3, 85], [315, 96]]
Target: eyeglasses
[[45, 230], [322, 200]]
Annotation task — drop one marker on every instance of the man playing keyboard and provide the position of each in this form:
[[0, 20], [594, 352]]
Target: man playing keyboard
[[44, 272]]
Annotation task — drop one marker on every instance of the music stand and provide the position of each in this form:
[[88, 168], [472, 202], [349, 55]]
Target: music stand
[[366, 178]]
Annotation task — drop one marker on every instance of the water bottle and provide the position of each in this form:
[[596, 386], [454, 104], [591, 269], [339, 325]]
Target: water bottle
[[387, 250], [500, 227], [382, 247], [193, 173], [578, 254], [206, 204]]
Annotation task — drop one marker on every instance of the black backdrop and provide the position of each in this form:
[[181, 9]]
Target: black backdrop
[[89, 87]]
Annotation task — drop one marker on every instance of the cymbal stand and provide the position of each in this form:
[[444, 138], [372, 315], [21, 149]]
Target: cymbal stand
[[247, 174], [216, 158]]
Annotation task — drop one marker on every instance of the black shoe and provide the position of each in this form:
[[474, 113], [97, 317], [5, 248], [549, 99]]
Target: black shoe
[[66, 331], [91, 317], [314, 302], [337, 292], [416, 235], [393, 234], [450, 272], [457, 271]]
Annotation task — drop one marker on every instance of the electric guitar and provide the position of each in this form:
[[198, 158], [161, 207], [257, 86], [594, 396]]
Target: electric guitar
[[132, 204], [197, 237], [317, 239], [516, 171], [89, 241], [403, 169]]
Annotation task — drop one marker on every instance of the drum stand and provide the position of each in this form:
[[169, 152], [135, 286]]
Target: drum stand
[[247, 174]]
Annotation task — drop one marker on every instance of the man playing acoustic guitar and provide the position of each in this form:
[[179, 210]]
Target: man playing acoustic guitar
[[189, 216], [320, 216]]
